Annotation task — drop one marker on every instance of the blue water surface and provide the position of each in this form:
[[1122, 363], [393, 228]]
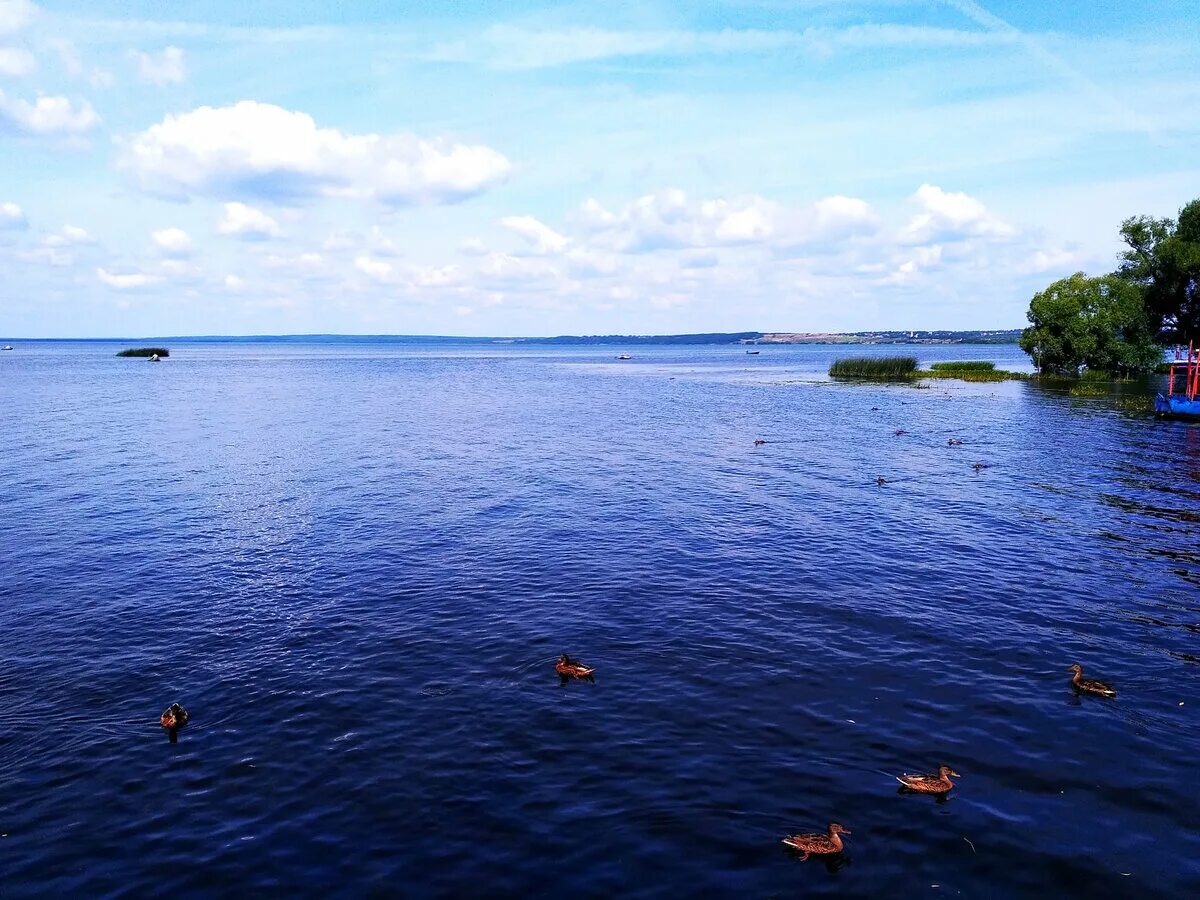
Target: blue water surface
[[356, 564]]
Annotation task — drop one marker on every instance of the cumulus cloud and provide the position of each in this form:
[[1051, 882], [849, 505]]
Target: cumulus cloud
[[15, 62], [247, 223], [544, 240], [671, 220], [166, 67], [172, 241], [15, 15], [258, 149], [12, 217], [126, 281], [46, 116], [948, 217]]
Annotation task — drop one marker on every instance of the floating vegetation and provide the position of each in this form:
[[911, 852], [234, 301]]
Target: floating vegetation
[[976, 374], [145, 352], [972, 370], [977, 365], [875, 368]]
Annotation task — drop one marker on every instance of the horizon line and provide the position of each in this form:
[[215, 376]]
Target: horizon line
[[500, 337]]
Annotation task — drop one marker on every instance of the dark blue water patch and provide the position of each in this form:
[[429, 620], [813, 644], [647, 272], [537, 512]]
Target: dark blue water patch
[[355, 565]]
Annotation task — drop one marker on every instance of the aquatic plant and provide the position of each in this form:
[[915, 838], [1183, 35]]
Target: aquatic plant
[[977, 365], [876, 368], [145, 351]]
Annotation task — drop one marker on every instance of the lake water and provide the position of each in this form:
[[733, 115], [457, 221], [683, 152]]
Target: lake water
[[356, 564]]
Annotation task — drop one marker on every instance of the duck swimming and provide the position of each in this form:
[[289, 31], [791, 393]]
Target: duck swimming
[[1090, 685], [820, 844], [930, 784], [174, 717], [978, 467], [758, 442], [900, 431], [954, 442], [881, 480], [572, 668]]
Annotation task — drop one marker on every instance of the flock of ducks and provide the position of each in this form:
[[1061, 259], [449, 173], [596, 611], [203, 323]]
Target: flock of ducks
[[829, 842], [826, 843]]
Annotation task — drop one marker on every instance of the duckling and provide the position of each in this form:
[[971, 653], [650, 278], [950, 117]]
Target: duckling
[[881, 480], [572, 668], [979, 467], [954, 442], [174, 717], [1090, 685], [820, 844], [930, 784], [758, 442], [900, 431]]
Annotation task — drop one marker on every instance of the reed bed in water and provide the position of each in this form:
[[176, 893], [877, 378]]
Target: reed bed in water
[[876, 368]]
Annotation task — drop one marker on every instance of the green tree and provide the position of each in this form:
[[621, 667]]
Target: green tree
[[1097, 323], [1163, 259]]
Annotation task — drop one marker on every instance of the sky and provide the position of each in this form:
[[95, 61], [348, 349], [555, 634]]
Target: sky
[[521, 168]]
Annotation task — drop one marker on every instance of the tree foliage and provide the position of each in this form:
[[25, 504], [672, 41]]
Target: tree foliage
[[1098, 323], [1162, 257]]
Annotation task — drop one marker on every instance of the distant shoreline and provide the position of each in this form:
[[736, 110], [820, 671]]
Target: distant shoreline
[[1000, 336]]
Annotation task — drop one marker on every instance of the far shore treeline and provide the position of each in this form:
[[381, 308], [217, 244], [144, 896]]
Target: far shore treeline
[[1119, 323]]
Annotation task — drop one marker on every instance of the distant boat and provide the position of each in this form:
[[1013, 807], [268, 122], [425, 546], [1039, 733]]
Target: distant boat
[[754, 352], [624, 356], [6, 347], [154, 358]]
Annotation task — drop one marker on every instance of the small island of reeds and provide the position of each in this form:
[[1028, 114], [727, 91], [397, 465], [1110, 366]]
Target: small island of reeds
[[904, 368], [875, 368], [146, 352]]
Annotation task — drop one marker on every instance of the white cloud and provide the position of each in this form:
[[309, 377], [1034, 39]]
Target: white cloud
[[73, 64], [127, 281], [162, 68], [248, 223], [472, 247], [12, 217], [47, 116], [504, 270], [949, 217], [544, 240], [234, 283], [258, 149], [15, 15], [374, 268], [669, 219], [172, 241], [15, 62], [68, 236]]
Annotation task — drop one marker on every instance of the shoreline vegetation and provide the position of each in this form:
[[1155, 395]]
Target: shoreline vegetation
[[1121, 322], [145, 352], [905, 368]]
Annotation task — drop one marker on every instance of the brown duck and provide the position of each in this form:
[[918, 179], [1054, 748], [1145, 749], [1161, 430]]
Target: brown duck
[[174, 717], [1090, 685], [930, 784], [572, 668], [820, 844]]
